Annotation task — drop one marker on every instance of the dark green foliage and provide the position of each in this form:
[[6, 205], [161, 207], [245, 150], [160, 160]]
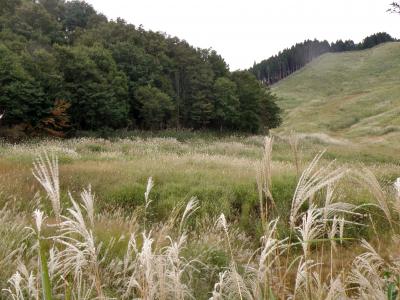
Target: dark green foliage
[[342, 46], [292, 59], [155, 107], [226, 103], [289, 60], [21, 98], [78, 14], [199, 106], [269, 110], [218, 64], [34, 23], [115, 75], [97, 91], [8, 6], [375, 39], [257, 108], [249, 97]]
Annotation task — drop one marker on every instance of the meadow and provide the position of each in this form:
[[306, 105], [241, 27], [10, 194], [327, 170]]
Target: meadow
[[352, 96], [113, 214], [181, 215]]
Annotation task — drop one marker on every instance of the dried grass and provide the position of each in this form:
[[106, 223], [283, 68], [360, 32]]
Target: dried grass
[[148, 260]]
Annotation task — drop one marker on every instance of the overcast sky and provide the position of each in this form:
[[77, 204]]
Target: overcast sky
[[244, 31]]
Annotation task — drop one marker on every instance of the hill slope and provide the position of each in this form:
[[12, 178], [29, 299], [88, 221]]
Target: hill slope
[[352, 95]]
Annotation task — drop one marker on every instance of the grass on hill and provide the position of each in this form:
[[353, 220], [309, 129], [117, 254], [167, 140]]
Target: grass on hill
[[353, 97]]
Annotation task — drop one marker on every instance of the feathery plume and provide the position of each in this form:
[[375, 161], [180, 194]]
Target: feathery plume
[[312, 180], [396, 185], [190, 208], [373, 185], [46, 172], [39, 218], [88, 202], [150, 184]]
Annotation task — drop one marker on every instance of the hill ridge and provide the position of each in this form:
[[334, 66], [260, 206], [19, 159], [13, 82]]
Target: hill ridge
[[351, 95]]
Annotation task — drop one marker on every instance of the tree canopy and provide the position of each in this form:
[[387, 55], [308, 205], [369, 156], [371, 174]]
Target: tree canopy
[[62, 58]]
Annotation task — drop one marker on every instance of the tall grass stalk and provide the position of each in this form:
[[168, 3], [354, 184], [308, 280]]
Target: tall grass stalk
[[150, 184], [264, 181], [44, 270], [45, 170], [313, 179], [294, 146], [370, 181], [224, 226]]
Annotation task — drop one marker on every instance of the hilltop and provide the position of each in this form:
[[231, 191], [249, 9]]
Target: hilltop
[[350, 96]]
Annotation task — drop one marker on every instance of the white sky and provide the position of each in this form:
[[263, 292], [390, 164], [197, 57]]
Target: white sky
[[244, 31]]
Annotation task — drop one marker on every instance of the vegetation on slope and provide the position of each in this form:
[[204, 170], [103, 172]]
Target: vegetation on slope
[[353, 95], [65, 67], [292, 59]]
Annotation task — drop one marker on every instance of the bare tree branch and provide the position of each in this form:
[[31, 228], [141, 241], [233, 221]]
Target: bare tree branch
[[395, 8]]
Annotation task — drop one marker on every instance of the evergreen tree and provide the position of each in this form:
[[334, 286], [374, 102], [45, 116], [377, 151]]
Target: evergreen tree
[[375, 39]]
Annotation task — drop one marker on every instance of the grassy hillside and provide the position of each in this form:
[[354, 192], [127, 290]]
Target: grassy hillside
[[351, 97]]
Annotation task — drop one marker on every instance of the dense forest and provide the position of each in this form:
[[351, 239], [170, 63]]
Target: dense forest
[[66, 68], [292, 59]]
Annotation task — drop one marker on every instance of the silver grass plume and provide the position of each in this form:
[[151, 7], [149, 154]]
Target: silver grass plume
[[88, 201], [190, 208], [46, 172], [373, 185], [312, 180]]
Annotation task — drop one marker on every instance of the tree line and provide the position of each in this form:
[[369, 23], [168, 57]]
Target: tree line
[[294, 58], [64, 67]]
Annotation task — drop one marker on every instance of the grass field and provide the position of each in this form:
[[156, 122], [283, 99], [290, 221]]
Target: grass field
[[101, 249]]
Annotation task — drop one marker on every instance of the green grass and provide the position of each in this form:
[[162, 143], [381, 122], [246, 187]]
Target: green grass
[[353, 97], [219, 170]]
